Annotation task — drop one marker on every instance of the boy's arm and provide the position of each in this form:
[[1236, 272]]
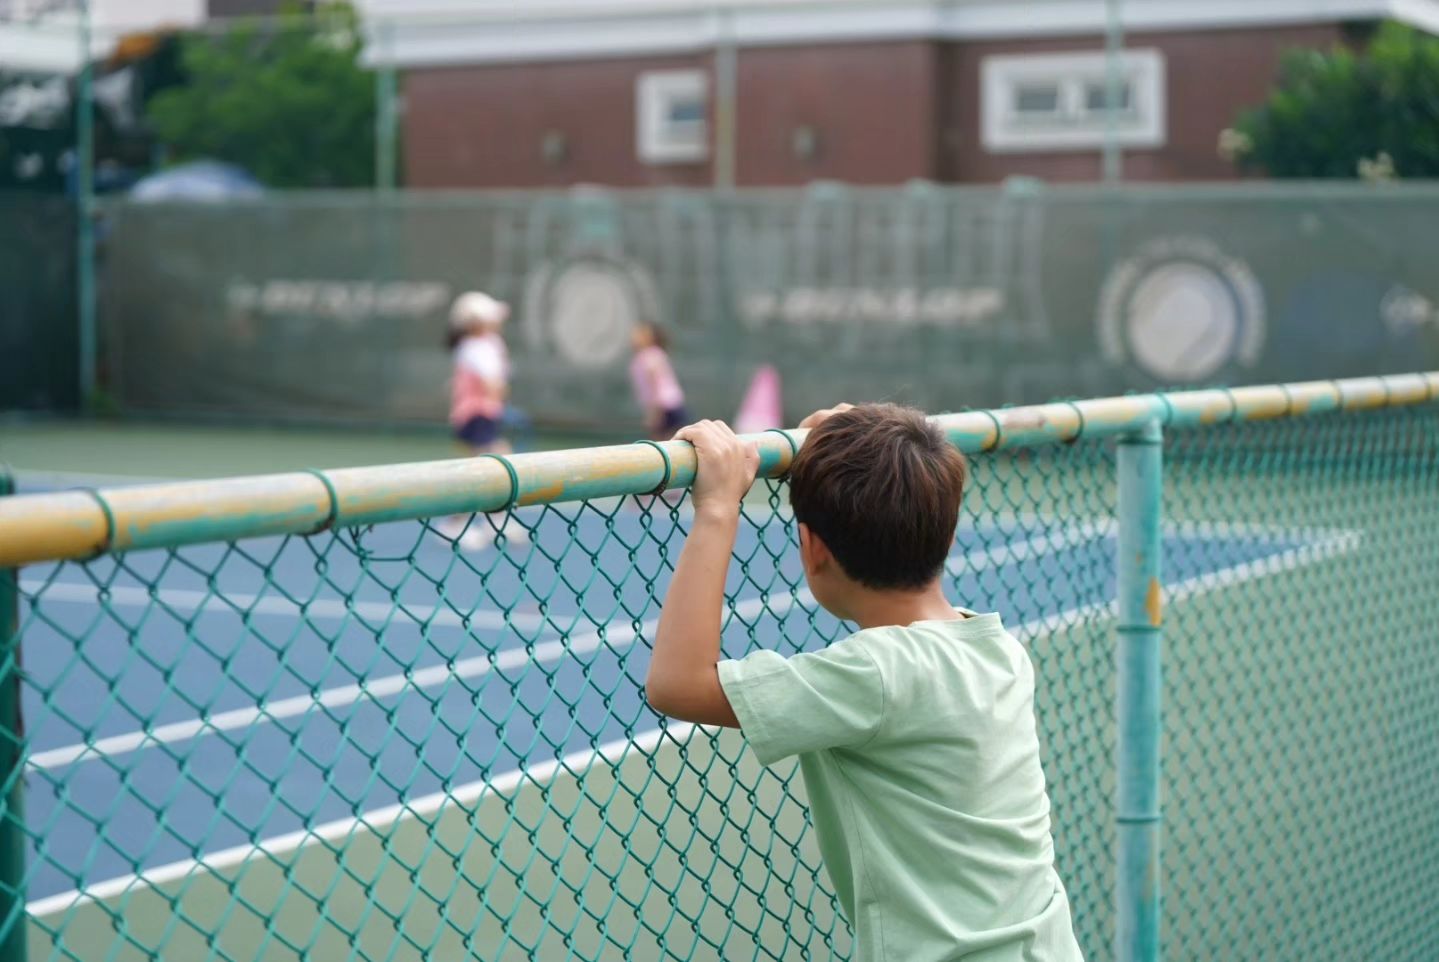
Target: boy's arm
[[683, 680]]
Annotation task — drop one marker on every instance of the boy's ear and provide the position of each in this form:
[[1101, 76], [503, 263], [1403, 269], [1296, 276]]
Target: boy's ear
[[813, 553]]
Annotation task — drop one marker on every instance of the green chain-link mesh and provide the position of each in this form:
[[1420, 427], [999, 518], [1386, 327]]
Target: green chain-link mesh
[[410, 742]]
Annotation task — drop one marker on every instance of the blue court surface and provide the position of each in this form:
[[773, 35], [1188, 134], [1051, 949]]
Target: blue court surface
[[183, 703]]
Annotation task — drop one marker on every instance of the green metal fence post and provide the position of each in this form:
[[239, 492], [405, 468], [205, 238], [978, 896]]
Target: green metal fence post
[[1112, 158], [1137, 908], [386, 109], [726, 101], [85, 206], [12, 766]]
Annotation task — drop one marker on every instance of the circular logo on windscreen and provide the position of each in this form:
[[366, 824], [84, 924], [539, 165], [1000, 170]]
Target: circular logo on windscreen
[[1404, 310], [584, 308], [1182, 311]]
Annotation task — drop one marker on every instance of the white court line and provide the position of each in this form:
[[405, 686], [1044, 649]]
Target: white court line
[[1247, 529], [186, 599], [1336, 542], [1045, 543], [339, 697], [1009, 524], [1108, 525], [372, 821], [189, 599], [467, 668], [618, 637]]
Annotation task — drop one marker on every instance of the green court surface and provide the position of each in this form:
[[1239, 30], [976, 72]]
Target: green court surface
[[139, 449], [598, 847]]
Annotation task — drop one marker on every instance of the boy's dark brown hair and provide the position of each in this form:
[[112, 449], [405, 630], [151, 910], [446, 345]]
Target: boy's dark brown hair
[[881, 488]]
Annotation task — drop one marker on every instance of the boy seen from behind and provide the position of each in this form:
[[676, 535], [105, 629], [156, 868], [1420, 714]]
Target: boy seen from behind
[[915, 735]]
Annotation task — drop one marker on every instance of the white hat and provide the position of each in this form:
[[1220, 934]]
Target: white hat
[[477, 307]]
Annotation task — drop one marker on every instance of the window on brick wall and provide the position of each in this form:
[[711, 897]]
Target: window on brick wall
[[1058, 101], [672, 116]]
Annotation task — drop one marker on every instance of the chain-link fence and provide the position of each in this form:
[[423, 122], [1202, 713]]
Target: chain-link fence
[[420, 732], [1302, 737]]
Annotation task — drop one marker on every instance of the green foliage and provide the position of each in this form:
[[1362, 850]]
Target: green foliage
[[288, 101], [1345, 114]]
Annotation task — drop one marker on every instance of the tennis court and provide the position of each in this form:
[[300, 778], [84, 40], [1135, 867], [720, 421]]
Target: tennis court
[[232, 703], [364, 743]]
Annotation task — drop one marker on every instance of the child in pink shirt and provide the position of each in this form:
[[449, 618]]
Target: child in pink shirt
[[656, 388]]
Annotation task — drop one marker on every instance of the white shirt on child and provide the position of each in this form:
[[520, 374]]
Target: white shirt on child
[[484, 357], [482, 373]]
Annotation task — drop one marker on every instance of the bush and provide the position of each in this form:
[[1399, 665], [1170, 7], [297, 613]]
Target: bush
[[288, 101], [1342, 113]]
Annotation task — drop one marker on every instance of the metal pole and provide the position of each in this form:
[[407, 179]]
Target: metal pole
[[386, 109], [1141, 465], [12, 766], [85, 204], [1113, 87], [726, 97]]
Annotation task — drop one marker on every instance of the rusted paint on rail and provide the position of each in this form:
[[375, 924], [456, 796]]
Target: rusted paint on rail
[[45, 527]]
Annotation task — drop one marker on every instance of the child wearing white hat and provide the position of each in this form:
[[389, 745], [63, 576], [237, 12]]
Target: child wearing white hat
[[479, 389], [481, 381]]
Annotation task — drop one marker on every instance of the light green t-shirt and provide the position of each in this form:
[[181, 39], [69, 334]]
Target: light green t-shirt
[[921, 761]]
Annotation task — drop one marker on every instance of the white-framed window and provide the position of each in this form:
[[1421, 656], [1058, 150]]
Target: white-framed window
[[672, 116], [1057, 101]]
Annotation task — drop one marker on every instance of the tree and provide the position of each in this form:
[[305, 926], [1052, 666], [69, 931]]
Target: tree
[[1341, 113], [286, 100]]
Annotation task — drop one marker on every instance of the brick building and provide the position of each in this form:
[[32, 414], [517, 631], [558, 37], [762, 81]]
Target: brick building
[[629, 93]]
